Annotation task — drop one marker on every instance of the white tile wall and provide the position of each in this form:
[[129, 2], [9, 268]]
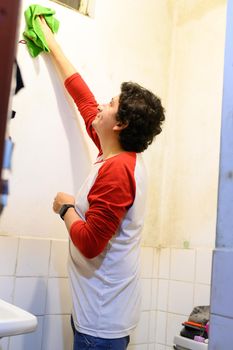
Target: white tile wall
[[151, 347], [164, 263], [147, 262], [180, 299], [152, 327], [160, 347], [58, 259], [29, 341], [201, 294], [154, 294], [58, 296], [156, 262], [141, 333], [7, 288], [162, 302], [35, 298], [161, 322], [33, 257], [4, 343], [174, 325], [146, 294], [171, 288], [8, 255], [138, 347], [57, 333], [183, 264], [203, 266]]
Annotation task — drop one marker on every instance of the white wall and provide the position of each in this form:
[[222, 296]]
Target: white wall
[[125, 41]]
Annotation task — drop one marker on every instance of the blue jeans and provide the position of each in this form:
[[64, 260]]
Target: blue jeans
[[88, 342]]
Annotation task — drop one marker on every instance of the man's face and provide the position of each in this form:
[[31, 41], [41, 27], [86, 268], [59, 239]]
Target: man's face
[[105, 119]]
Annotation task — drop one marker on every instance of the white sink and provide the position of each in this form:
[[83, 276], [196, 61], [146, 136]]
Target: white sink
[[14, 320]]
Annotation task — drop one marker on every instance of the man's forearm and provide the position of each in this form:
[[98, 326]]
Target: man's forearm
[[70, 217], [65, 68]]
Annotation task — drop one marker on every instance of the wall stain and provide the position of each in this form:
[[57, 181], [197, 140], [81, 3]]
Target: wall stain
[[195, 9]]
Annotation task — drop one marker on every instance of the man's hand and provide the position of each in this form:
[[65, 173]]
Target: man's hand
[[49, 36], [60, 199]]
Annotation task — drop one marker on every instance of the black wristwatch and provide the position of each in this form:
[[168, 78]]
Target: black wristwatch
[[64, 209]]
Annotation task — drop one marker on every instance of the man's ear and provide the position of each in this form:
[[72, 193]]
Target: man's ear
[[120, 126]]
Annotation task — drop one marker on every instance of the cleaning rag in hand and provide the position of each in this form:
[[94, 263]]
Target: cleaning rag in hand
[[33, 33]]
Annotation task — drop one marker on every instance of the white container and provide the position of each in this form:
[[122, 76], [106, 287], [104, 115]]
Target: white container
[[189, 344]]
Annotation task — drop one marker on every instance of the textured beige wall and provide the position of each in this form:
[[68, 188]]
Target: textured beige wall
[[189, 198]]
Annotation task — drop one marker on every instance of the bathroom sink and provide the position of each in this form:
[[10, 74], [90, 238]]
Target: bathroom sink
[[14, 320]]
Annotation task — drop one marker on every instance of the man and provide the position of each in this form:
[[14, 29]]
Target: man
[[104, 221]]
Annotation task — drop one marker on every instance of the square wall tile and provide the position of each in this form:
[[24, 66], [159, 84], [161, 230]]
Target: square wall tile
[[146, 294], [182, 264], [141, 333], [138, 347], [164, 263], [57, 333], [4, 343], [156, 262], [28, 341], [174, 326], [203, 265], [152, 326], [201, 294], [154, 294], [7, 288], [33, 257], [151, 346], [162, 301], [161, 327], [160, 347], [58, 296], [180, 300], [30, 294], [58, 258], [147, 262], [8, 255]]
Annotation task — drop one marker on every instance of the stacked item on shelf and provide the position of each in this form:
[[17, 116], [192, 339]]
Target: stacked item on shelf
[[195, 330]]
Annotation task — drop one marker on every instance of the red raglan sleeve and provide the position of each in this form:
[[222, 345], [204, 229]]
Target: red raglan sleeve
[[109, 199], [85, 101]]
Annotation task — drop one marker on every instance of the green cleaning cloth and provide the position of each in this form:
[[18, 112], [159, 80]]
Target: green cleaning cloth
[[33, 33]]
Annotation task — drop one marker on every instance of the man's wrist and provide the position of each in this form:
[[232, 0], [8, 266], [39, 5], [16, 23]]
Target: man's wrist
[[64, 209]]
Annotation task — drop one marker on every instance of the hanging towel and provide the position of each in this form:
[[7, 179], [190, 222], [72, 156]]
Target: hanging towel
[[33, 33]]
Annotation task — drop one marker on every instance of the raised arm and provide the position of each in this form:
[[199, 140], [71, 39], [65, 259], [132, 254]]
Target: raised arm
[[64, 66], [74, 83]]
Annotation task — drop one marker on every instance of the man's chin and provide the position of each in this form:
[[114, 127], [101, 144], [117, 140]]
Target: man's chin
[[94, 124]]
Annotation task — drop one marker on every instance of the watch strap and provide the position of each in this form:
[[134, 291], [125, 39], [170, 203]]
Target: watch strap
[[64, 209]]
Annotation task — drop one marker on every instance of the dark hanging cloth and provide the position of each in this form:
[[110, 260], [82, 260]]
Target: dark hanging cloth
[[19, 79], [19, 83]]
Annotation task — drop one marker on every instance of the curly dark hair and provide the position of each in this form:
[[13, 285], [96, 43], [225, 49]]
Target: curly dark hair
[[143, 113]]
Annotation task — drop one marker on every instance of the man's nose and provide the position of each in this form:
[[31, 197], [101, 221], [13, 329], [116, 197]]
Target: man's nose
[[100, 108]]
